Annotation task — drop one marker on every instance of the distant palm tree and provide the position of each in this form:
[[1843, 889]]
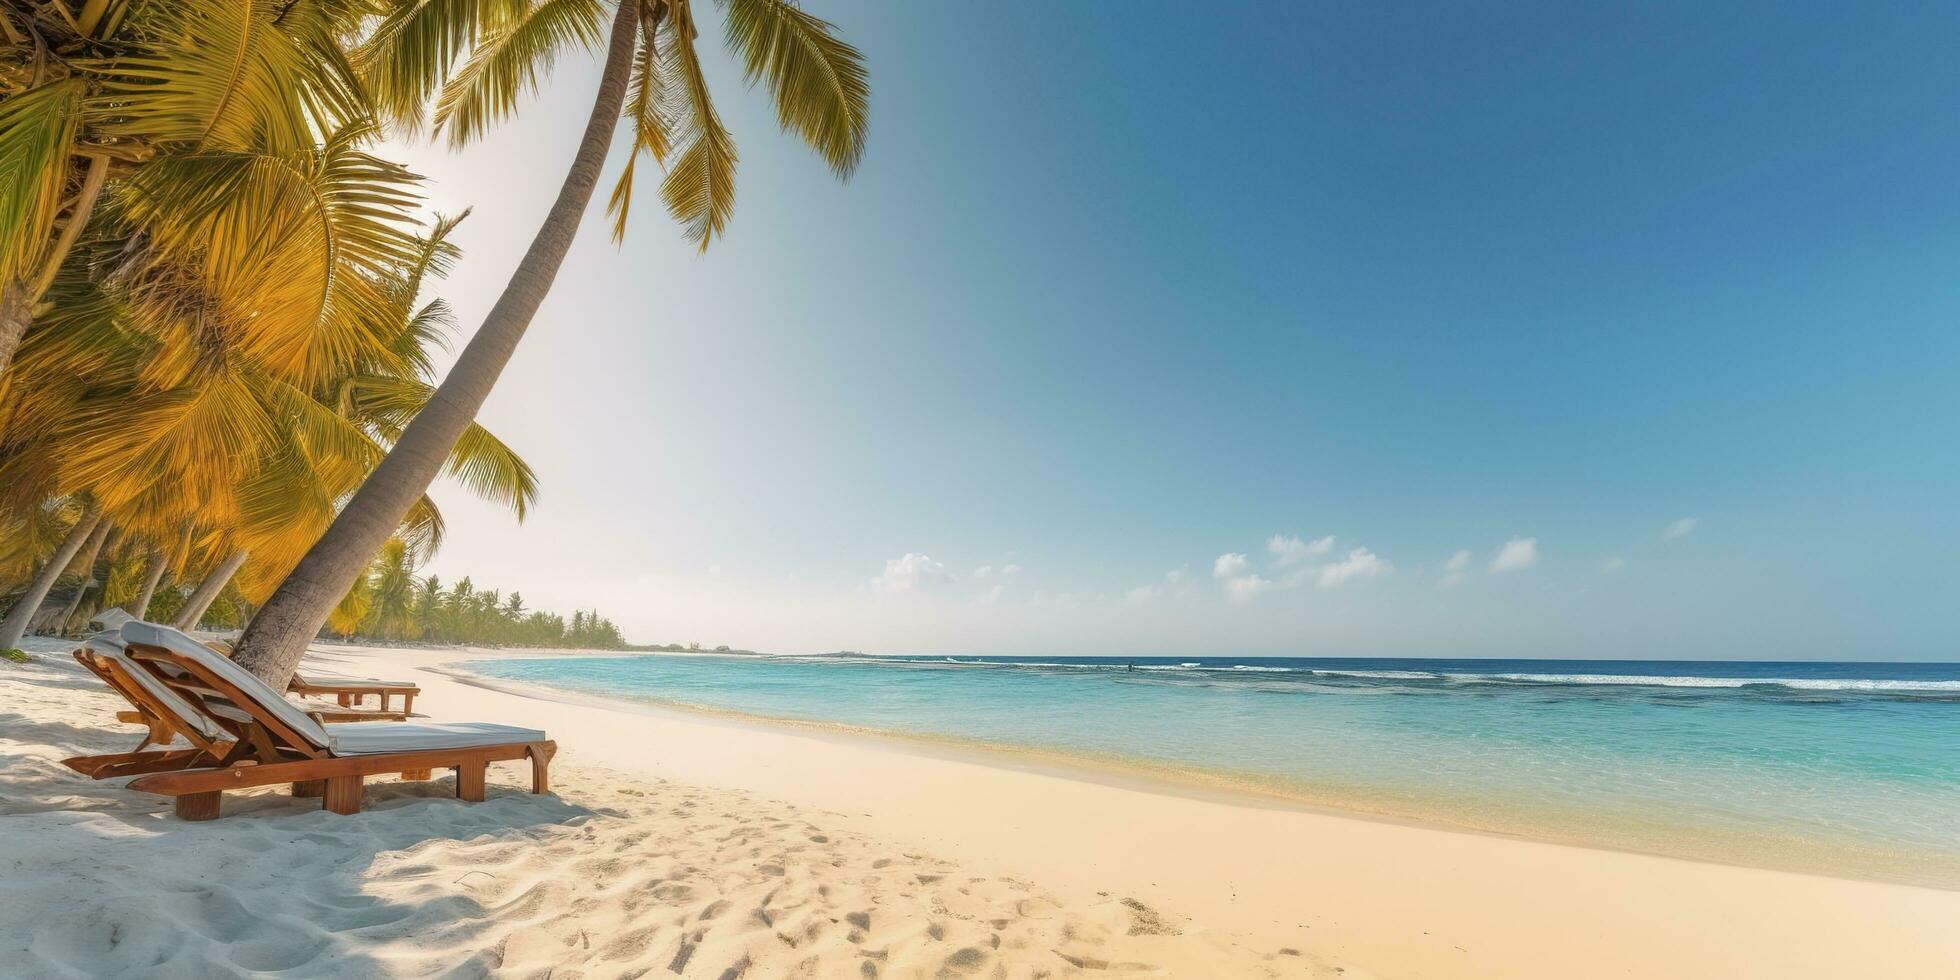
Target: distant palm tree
[[819, 85], [391, 615]]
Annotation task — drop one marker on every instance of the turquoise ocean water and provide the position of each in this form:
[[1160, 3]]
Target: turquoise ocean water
[[1841, 768]]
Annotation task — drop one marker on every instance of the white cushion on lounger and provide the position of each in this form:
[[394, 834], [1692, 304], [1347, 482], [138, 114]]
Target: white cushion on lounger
[[182, 644], [379, 737], [109, 646], [330, 680], [111, 618], [225, 709]]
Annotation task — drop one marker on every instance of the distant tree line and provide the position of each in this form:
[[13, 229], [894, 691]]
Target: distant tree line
[[392, 604]]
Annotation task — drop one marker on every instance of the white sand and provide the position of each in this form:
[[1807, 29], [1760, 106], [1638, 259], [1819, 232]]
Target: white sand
[[682, 844]]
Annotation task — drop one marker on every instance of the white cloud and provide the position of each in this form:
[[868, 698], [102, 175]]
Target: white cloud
[[910, 572], [1140, 595], [1456, 570], [1517, 554], [1612, 565], [1174, 576], [1245, 588], [1229, 566], [1009, 569], [983, 571], [1290, 550], [1679, 529], [1359, 566]]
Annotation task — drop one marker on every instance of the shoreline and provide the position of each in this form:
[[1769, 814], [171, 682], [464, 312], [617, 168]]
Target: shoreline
[[691, 844], [1376, 897], [1820, 858]]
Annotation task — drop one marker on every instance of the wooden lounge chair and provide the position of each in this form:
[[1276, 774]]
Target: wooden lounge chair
[[168, 714], [348, 691], [165, 713], [279, 743], [328, 713]]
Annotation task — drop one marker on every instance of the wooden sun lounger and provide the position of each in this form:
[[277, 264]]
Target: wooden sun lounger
[[278, 743], [164, 713], [348, 691], [351, 692], [167, 715]]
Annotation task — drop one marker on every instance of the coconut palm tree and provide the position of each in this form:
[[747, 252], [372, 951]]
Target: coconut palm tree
[[268, 444], [14, 626], [95, 92], [652, 76], [392, 587]]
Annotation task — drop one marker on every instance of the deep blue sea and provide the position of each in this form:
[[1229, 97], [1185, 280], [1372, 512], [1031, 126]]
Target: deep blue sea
[[1844, 768]]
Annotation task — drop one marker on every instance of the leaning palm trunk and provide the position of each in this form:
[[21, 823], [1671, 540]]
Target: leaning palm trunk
[[152, 577], [15, 625], [19, 295], [276, 639], [16, 312], [207, 591], [88, 562]]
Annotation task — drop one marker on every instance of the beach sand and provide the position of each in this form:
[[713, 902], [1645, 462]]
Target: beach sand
[[684, 844]]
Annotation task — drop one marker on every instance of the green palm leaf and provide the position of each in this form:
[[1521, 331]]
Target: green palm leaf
[[700, 186], [37, 134], [229, 74], [408, 54], [819, 81], [508, 62]]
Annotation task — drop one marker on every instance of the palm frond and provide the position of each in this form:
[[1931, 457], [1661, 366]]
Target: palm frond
[[37, 134], [509, 61], [700, 186], [645, 97], [229, 74], [479, 460], [423, 527], [819, 81], [426, 331], [290, 253], [409, 53]]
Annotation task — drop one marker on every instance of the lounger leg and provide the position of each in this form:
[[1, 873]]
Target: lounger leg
[[469, 780], [408, 703], [198, 806], [345, 700], [414, 774], [310, 788], [344, 794], [540, 769]]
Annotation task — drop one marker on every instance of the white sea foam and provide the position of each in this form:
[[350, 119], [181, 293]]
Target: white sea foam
[[1391, 675], [1677, 680], [1875, 685]]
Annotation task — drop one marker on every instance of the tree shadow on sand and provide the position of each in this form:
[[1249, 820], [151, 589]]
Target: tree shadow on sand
[[101, 880]]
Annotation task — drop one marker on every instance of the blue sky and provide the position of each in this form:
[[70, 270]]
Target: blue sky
[[1123, 291]]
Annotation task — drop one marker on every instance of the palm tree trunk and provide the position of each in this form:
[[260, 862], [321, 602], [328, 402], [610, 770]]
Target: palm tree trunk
[[207, 592], [15, 625], [89, 555], [16, 312], [276, 639], [140, 606], [18, 296]]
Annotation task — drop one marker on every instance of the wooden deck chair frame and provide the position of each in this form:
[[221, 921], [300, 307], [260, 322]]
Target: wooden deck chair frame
[[163, 726], [350, 694], [269, 752]]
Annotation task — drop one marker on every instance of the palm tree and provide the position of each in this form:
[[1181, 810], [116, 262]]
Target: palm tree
[[14, 626], [820, 90], [96, 92], [392, 615]]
